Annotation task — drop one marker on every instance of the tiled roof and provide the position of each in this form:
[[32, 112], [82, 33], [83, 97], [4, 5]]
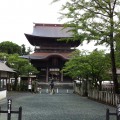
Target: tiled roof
[[53, 41], [43, 55], [4, 67], [44, 34], [51, 30]]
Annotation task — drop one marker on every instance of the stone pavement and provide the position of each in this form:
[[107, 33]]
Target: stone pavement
[[60, 106]]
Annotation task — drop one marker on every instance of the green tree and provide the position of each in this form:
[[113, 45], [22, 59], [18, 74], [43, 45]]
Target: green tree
[[117, 50], [28, 69], [95, 20], [88, 66], [10, 47], [29, 50], [21, 66], [3, 56], [25, 51], [99, 68], [77, 66]]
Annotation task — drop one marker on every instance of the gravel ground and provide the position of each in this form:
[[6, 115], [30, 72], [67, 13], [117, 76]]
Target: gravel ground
[[59, 106]]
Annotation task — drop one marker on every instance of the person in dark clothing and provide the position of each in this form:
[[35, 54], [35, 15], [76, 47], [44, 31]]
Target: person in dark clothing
[[52, 87]]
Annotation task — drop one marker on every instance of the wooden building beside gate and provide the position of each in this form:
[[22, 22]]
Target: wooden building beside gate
[[6, 74], [50, 53]]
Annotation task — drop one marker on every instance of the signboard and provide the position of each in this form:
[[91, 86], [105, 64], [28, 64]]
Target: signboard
[[29, 87], [54, 69]]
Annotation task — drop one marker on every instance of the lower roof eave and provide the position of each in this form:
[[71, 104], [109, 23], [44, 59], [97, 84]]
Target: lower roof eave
[[30, 57]]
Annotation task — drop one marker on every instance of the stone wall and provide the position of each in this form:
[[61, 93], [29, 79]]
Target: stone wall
[[3, 94]]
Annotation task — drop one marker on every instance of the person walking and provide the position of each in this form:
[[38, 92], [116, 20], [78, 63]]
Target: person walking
[[52, 87]]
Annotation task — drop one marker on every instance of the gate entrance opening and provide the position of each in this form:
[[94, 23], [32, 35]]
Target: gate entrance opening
[[54, 73]]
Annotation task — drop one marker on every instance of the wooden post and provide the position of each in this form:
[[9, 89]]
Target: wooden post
[[20, 113], [57, 90], [67, 90], [9, 109], [47, 74], [118, 112], [62, 76], [107, 114]]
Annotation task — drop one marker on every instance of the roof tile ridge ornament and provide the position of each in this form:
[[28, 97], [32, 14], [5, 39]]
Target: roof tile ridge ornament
[[48, 25]]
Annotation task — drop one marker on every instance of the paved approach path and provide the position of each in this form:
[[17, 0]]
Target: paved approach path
[[61, 106]]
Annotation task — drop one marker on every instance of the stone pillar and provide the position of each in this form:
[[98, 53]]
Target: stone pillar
[[61, 76], [30, 84], [19, 80], [47, 74]]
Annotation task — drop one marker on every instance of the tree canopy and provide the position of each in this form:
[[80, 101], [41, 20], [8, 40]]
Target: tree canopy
[[10, 47], [21, 65], [97, 20], [3, 56], [92, 66], [25, 51]]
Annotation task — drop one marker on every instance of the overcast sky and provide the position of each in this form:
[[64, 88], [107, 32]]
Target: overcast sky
[[17, 17]]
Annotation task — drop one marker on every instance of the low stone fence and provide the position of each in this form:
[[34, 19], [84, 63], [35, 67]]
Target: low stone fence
[[106, 97], [78, 89]]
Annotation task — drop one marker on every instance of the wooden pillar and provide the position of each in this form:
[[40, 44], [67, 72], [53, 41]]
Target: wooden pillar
[[61, 76], [2, 83], [8, 79], [47, 74]]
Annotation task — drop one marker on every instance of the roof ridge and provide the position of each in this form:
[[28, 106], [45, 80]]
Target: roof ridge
[[49, 25]]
